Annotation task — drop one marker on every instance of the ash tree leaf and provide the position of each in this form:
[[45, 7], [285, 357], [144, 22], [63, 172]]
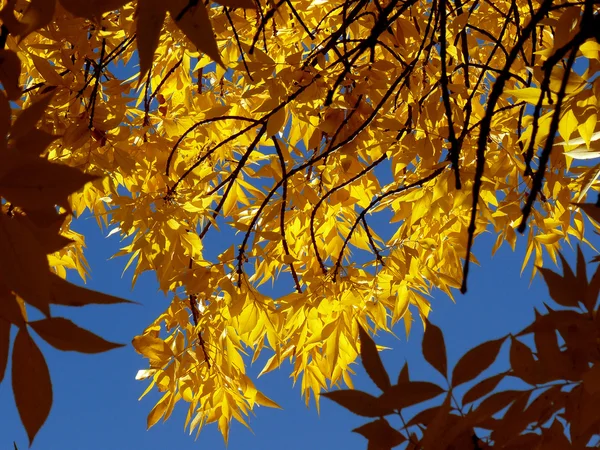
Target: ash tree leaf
[[381, 434], [152, 348], [31, 383], [38, 14], [476, 361], [68, 294], [482, 388], [151, 15], [592, 210], [560, 289], [403, 376], [193, 20], [358, 402], [4, 346], [64, 335], [247, 4], [28, 119], [24, 265], [371, 360], [494, 404], [34, 183], [403, 395], [91, 9], [10, 70], [434, 349], [522, 362]]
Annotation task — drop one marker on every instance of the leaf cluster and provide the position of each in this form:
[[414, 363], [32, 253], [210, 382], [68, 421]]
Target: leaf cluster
[[554, 406]]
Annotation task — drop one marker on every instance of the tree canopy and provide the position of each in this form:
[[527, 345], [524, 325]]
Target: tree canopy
[[239, 143]]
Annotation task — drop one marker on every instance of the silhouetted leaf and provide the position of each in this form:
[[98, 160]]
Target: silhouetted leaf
[[482, 388], [495, 403], [68, 294], [404, 376], [371, 360], [522, 362], [64, 335], [4, 346], [476, 361], [359, 402], [380, 433], [31, 383], [434, 349], [409, 393]]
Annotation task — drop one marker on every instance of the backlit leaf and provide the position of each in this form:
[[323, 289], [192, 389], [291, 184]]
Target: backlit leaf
[[476, 361]]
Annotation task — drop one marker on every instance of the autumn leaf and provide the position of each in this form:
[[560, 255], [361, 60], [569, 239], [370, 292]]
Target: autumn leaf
[[31, 383], [91, 9], [192, 18], [379, 433], [434, 349], [153, 348], [403, 395], [476, 361], [150, 18], [358, 402], [4, 346], [38, 14], [10, 70], [482, 388], [592, 210], [64, 335], [68, 294], [35, 183], [371, 360], [26, 122]]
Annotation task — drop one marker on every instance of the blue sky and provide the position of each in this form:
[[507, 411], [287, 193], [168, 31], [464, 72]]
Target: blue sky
[[96, 403]]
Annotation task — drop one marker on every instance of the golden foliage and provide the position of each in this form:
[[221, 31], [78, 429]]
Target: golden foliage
[[300, 127]]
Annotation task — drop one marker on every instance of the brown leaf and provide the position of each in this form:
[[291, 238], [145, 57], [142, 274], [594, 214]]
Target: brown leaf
[[4, 346], [10, 70], [31, 383], [482, 388], [195, 23], [358, 402], [64, 335], [494, 403], [91, 9], [150, 18], [409, 393], [5, 118], [403, 376], [248, 4], [35, 183], [23, 264], [593, 291], [10, 310], [68, 294], [35, 142], [434, 349], [38, 14], [592, 210], [522, 362], [380, 433], [371, 360], [476, 361], [434, 436], [28, 119], [561, 289], [512, 423]]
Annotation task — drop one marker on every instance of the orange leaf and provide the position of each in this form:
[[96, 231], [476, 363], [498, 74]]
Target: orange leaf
[[482, 388], [409, 393], [31, 383], [64, 335], [195, 23], [380, 434], [358, 402], [150, 18], [434, 349], [371, 360], [10, 70], [153, 348], [476, 361], [4, 346]]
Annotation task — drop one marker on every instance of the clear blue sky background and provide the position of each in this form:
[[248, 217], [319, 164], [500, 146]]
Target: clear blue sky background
[[96, 403]]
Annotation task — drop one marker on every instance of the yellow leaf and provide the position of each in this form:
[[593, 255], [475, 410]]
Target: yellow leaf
[[276, 122]]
